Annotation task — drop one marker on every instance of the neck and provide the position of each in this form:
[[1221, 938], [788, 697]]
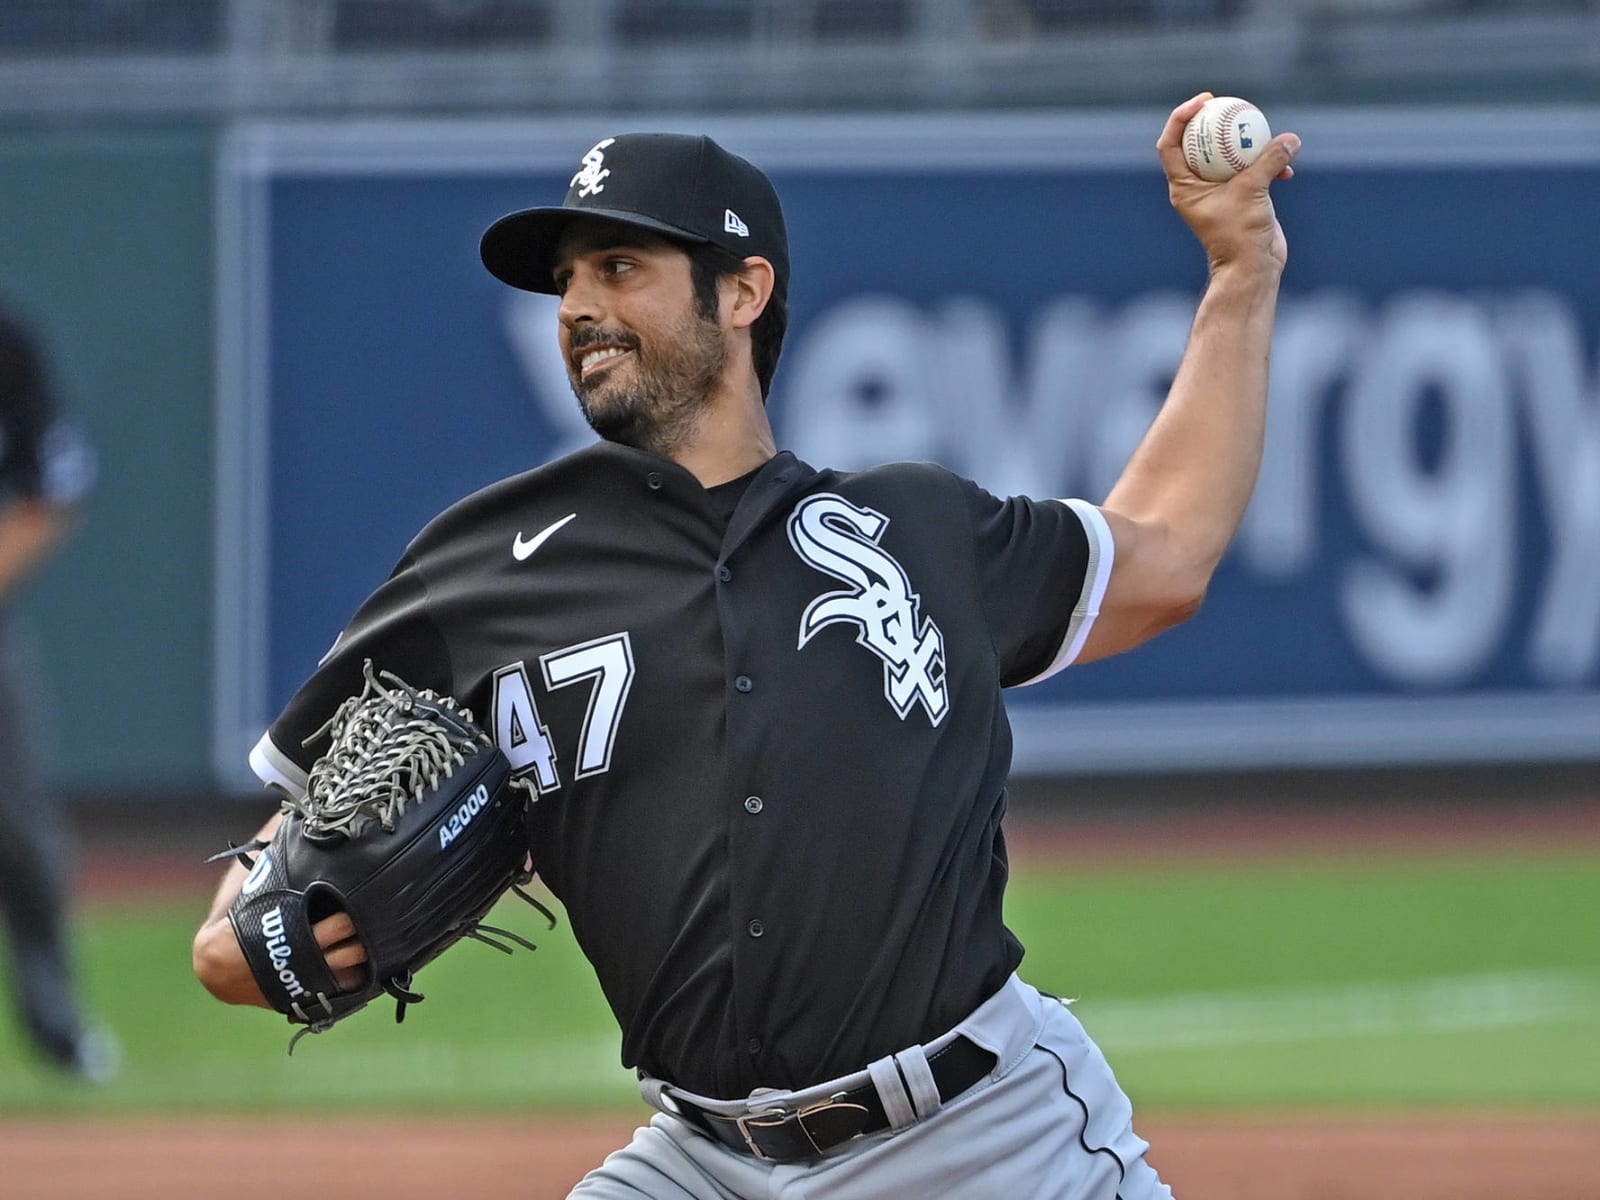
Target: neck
[[732, 438]]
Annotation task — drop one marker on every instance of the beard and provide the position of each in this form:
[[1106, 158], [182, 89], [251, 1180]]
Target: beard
[[653, 401]]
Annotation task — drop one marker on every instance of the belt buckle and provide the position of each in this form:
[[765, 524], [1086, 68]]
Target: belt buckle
[[760, 1120], [765, 1120]]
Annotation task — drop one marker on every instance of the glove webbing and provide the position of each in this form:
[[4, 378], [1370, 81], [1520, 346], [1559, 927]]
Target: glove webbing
[[390, 747]]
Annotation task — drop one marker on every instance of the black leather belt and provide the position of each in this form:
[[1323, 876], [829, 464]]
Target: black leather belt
[[784, 1136]]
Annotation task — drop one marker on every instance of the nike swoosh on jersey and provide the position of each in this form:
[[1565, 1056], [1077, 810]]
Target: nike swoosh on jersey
[[521, 550]]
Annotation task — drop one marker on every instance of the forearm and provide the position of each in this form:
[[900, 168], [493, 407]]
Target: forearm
[[1193, 473]]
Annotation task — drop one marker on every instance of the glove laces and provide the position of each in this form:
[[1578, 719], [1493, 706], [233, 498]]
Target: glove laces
[[391, 745]]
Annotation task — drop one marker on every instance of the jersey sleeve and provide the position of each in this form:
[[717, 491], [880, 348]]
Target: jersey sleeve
[[393, 628], [1042, 568]]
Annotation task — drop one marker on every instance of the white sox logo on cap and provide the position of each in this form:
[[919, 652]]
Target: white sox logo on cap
[[592, 176]]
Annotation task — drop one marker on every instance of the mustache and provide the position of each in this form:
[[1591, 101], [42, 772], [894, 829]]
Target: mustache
[[584, 338]]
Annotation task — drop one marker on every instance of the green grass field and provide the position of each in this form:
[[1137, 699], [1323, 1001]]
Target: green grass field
[[1463, 982]]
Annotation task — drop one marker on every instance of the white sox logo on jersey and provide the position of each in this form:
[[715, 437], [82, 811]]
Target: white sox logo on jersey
[[841, 539]]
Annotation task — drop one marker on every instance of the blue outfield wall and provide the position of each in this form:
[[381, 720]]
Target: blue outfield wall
[[1417, 581]]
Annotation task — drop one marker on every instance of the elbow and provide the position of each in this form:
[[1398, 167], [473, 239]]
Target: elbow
[[1170, 616], [1183, 598], [1167, 572], [1187, 605], [1165, 614], [1123, 626]]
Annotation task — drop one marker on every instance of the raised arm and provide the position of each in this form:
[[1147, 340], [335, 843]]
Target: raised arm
[[1182, 495]]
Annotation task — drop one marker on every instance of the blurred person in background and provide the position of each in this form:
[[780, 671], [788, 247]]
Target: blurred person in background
[[46, 470]]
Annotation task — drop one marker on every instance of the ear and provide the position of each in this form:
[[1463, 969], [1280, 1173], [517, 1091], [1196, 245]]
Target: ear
[[751, 288]]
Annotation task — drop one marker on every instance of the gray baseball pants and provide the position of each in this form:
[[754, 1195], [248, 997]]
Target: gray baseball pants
[[1049, 1123]]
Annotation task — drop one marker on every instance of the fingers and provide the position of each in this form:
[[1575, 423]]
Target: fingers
[[1170, 144], [331, 930], [1172, 131], [348, 961], [1274, 160], [343, 951], [345, 954]]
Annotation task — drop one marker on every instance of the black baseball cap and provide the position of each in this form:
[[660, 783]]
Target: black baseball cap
[[680, 186]]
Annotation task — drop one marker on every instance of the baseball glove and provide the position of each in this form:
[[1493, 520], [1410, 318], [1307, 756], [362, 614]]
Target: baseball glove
[[412, 825]]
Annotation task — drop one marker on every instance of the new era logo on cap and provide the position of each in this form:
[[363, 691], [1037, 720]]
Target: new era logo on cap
[[682, 187]]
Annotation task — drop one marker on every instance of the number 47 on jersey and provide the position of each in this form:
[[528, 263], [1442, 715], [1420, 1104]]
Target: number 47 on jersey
[[606, 664]]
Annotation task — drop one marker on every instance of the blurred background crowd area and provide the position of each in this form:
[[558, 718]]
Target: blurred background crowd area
[[244, 232], [133, 57]]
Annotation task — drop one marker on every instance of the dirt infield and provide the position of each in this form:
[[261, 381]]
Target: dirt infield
[[1300, 1159]]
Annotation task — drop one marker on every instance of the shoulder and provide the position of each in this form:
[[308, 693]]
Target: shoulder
[[501, 509], [933, 494], [924, 481]]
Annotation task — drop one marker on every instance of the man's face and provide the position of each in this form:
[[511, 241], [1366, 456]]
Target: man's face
[[642, 359]]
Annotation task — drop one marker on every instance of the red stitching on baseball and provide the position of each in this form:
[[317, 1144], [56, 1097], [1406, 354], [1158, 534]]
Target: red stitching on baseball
[[1225, 146]]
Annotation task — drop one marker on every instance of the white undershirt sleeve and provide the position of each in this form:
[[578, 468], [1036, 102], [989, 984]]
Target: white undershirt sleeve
[[272, 765], [1102, 553]]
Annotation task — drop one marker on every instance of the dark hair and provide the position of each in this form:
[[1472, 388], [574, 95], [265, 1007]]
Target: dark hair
[[707, 264]]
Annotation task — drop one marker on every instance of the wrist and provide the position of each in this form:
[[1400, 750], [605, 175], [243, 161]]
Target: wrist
[[1252, 269], [1248, 270], [220, 966], [1243, 287]]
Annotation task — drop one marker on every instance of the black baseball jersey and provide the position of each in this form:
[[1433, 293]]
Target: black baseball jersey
[[770, 747]]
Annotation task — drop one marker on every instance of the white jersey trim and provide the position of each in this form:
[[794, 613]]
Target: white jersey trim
[[272, 765], [1102, 555]]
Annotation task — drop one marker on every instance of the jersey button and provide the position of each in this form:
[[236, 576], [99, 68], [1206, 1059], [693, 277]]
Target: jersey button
[[756, 928], [753, 1045], [744, 683], [752, 805], [653, 481], [724, 574]]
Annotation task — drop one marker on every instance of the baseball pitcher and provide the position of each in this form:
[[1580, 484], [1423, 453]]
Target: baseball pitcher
[[755, 703]]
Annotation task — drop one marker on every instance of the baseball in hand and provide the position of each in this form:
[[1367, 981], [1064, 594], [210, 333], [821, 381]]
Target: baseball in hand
[[1224, 137]]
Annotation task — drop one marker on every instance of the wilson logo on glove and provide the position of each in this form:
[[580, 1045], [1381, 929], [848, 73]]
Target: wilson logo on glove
[[280, 952]]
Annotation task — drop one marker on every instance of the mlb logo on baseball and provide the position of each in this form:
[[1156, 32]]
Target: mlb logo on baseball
[[1224, 138]]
